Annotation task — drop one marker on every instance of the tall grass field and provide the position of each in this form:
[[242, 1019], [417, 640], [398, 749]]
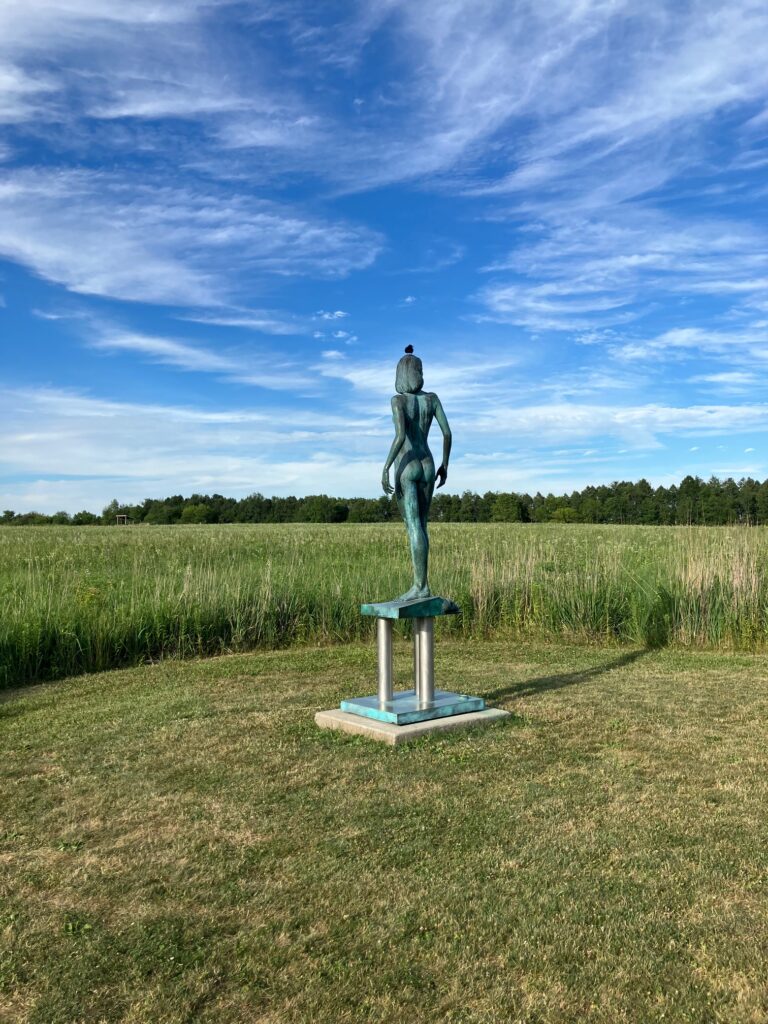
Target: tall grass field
[[91, 598]]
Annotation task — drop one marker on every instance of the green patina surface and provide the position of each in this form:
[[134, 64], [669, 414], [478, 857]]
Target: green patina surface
[[422, 608], [406, 708], [413, 410]]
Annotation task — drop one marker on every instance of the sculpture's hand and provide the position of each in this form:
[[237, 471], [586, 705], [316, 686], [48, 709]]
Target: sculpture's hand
[[386, 485], [441, 475]]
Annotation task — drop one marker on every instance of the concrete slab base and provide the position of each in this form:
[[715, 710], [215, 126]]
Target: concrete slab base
[[396, 734]]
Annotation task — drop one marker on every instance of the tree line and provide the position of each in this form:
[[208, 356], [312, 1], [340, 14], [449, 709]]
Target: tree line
[[694, 501]]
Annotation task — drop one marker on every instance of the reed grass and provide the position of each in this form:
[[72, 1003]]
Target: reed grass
[[93, 598]]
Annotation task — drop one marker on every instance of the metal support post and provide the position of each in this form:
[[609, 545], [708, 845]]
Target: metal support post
[[384, 650], [416, 657], [424, 639]]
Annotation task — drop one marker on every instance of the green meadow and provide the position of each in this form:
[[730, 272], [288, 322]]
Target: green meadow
[[85, 599]]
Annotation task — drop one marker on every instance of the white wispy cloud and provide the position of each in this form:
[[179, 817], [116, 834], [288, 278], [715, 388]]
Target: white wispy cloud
[[64, 404], [749, 345], [594, 131], [732, 382], [573, 272], [137, 59], [457, 379], [246, 367], [55, 438], [638, 426], [555, 306], [551, 76], [298, 134], [46, 314], [160, 96], [264, 321], [20, 92], [572, 84], [469, 70], [76, 450], [103, 74], [678, 68], [102, 234], [165, 350]]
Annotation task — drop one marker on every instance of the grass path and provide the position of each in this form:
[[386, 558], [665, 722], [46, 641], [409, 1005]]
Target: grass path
[[179, 843]]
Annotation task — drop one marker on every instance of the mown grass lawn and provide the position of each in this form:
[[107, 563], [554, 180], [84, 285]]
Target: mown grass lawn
[[180, 843]]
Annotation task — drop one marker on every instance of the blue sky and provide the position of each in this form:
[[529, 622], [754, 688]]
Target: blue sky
[[220, 223]]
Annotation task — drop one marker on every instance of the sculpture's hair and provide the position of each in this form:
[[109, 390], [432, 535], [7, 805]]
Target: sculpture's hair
[[409, 376]]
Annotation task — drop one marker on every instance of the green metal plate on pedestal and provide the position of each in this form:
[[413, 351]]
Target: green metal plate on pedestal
[[406, 708], [421, 608]]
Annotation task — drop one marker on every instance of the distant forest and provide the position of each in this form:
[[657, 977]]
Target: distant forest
[[706, 503]]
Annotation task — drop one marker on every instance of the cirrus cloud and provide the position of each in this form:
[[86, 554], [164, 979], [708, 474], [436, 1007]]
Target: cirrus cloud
[[102, 234]]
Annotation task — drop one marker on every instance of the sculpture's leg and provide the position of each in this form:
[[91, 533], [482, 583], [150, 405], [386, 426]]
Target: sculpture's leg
[[419, 542], [417, 536], [424, 639], [426, 490], [384, 650]]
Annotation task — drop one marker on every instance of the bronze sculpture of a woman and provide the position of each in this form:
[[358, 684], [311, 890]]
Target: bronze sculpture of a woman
[[412, 412], [391, 715]]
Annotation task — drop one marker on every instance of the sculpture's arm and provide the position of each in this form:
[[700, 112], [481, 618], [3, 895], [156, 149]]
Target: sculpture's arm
[[442, 474], [399, 417]]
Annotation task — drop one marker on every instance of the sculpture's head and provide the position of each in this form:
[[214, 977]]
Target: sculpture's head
[[409, 377]]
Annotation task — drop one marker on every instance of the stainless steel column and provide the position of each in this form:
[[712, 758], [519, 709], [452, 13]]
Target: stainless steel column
[[417, 656], [384, 650], [426, 645]]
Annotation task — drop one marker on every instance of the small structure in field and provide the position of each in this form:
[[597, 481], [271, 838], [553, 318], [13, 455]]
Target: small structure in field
[[122, 520]]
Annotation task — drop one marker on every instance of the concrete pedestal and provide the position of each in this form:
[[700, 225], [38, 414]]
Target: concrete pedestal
[[394, 735], [421, 706]]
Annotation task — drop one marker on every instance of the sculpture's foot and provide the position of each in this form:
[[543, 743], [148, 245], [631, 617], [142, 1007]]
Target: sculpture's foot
[[414, 594]]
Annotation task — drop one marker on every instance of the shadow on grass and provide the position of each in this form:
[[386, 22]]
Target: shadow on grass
[[530, 687]]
